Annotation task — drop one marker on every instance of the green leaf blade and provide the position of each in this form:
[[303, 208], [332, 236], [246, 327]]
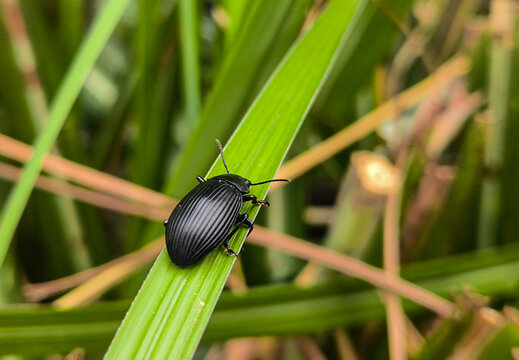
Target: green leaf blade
[[172, 309]]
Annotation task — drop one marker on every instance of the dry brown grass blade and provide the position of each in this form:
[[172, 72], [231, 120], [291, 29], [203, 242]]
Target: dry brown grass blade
[[119, 271], [141, 257], [349, 266], [112, 273], [448, 124], [12, 173], [116, 273], [486, 324], [316, 155], [396, 319], [84, 175]]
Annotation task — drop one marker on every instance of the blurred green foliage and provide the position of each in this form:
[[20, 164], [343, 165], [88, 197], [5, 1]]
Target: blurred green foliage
[[174, 75]]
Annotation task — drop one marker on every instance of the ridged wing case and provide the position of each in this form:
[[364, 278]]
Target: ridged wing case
[[201, 221]]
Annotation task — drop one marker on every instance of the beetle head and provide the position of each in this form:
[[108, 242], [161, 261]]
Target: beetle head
[[237, 181]]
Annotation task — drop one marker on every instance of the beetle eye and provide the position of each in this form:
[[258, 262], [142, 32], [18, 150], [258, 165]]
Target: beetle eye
[[247, 182]]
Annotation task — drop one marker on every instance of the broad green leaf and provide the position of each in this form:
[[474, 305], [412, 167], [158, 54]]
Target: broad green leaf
[[170, 312]]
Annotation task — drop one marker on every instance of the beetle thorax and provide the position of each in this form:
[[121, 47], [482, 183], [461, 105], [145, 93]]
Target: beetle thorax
[[236, 181]]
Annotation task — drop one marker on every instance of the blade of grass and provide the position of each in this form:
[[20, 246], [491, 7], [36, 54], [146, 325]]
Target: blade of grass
[[88, 327], [52, 58], [365, 125], [188, 19], [55, 218], [285, 309], [374, 30], [395, 317], [113, 274], [105, 201], [12, 87], [152, 122], [510, 174], [102, 182], [235, 10], [501, 67], [50, 61], [71, 23], [251, 313], [67, 93], [171, 311], [261, 236], [93, 288], [352, 267], [142, 257]]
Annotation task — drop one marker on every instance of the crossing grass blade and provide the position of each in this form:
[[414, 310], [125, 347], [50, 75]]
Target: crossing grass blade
[[67, 94], [282, 309]]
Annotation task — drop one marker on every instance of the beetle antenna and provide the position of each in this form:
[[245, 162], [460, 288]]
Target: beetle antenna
[[221, 152], [264, 182]]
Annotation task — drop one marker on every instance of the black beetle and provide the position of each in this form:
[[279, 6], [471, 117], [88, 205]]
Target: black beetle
[[203, 219]]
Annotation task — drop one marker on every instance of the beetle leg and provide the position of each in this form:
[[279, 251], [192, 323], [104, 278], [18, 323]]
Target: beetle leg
[[254, 200], [230, 251], [200, 179], [248, 223], [243, 219]]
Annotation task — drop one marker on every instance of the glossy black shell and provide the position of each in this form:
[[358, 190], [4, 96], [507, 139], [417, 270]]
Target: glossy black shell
[[203, 219]]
